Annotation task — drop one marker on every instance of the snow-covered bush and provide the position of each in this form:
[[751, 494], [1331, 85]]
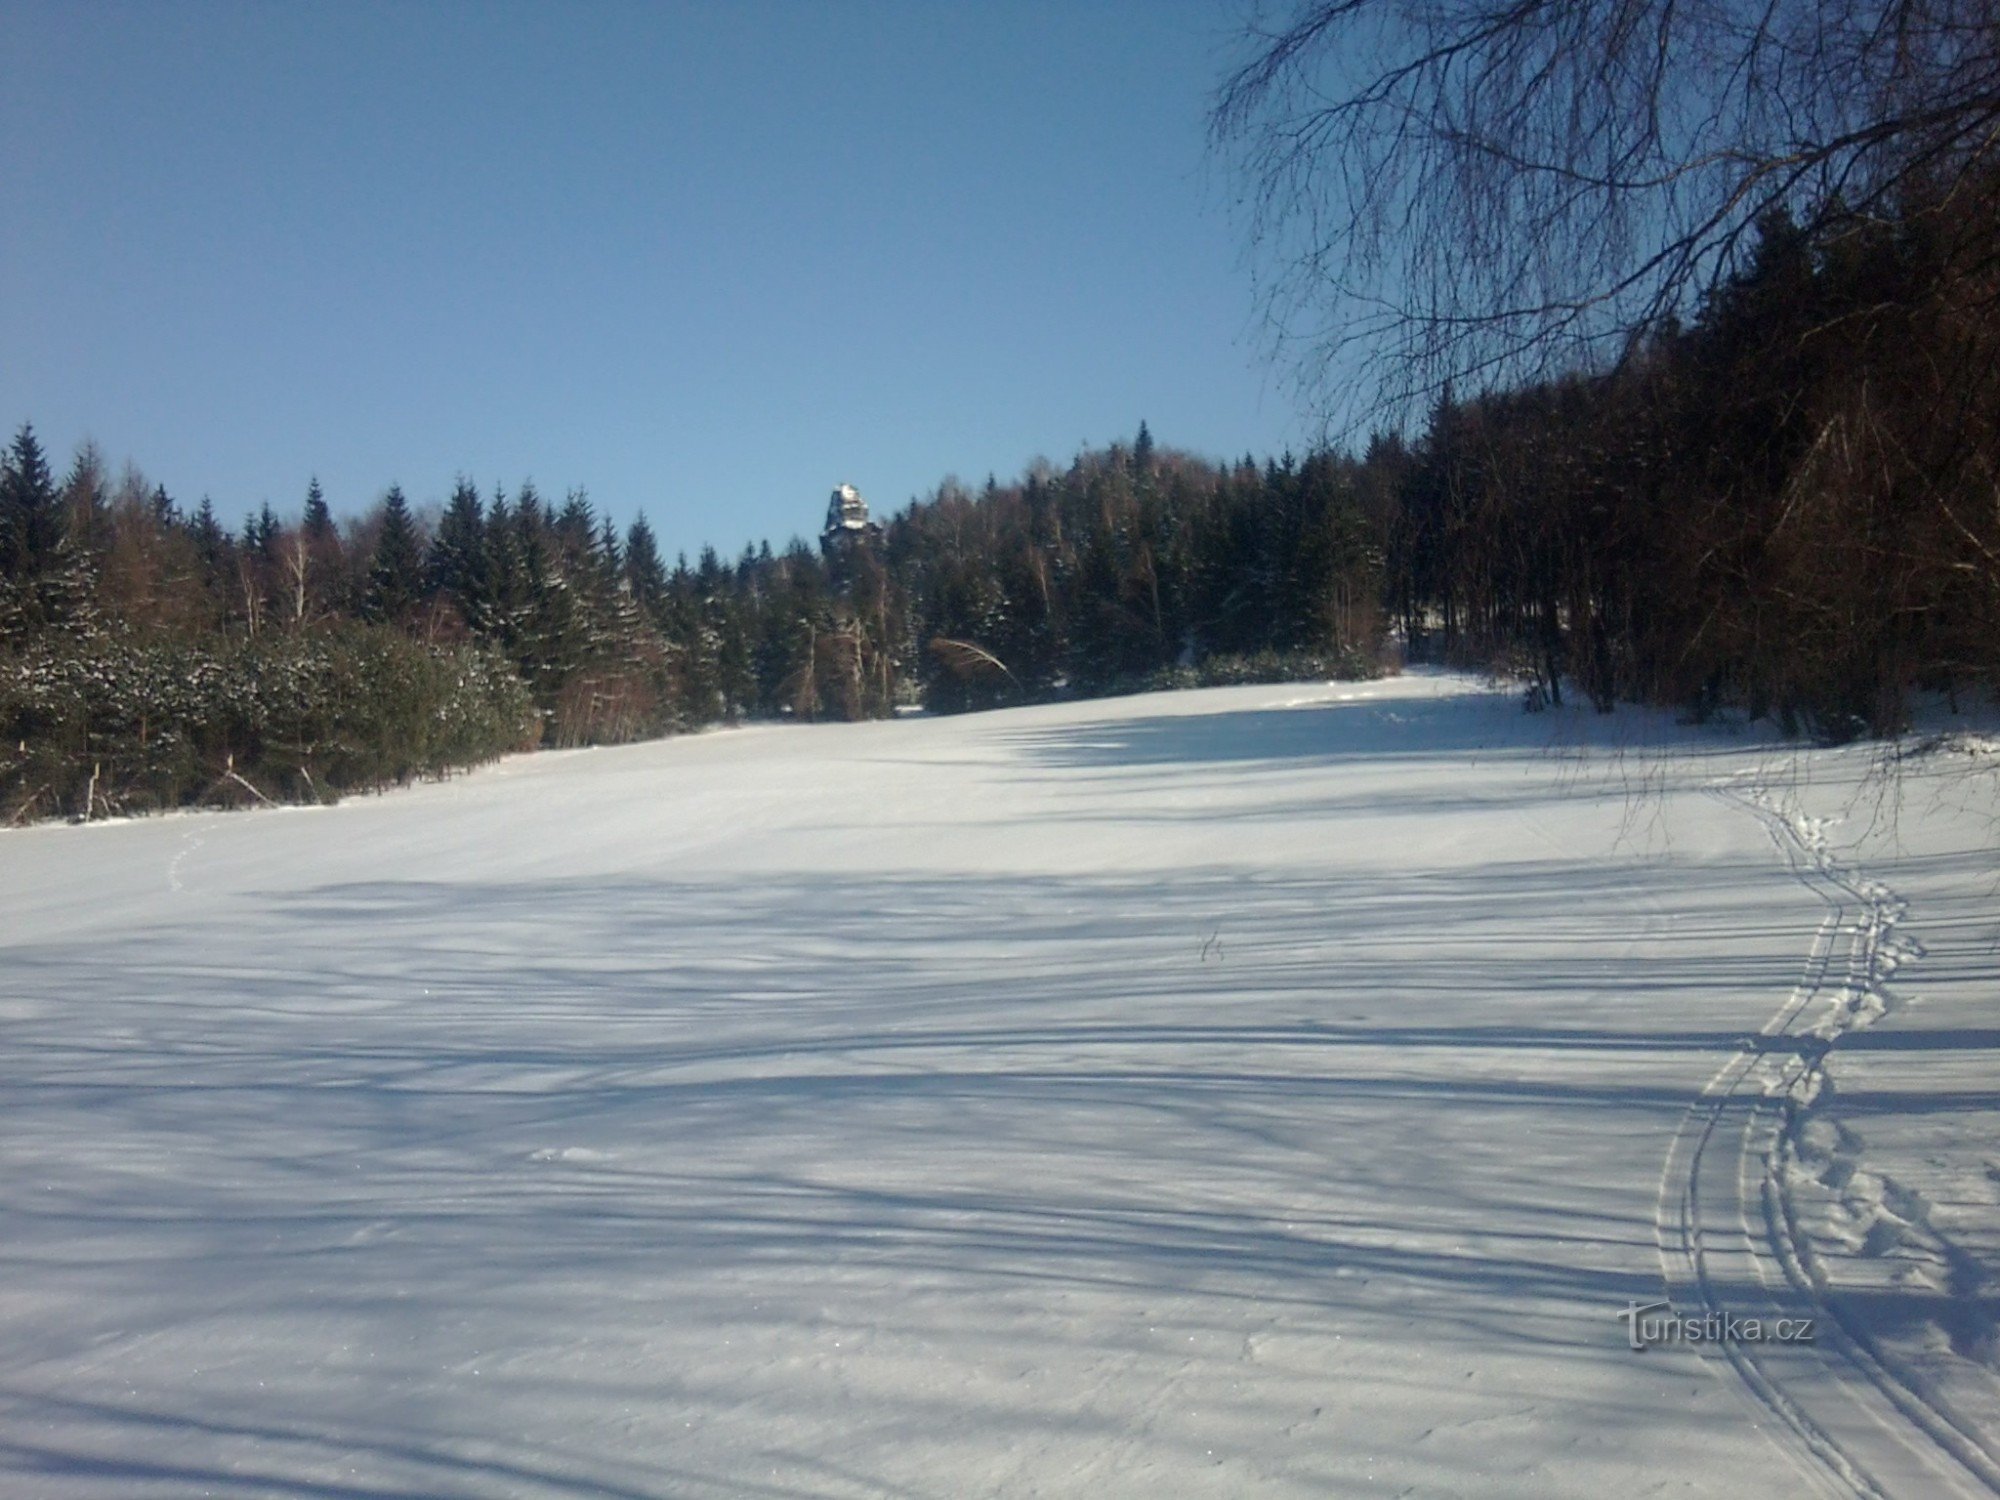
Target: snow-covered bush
[[121, 723], [1227, 669]]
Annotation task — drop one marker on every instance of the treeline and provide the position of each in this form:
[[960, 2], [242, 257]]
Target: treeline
[[151, 657], [1791, 505], [1137, 567]]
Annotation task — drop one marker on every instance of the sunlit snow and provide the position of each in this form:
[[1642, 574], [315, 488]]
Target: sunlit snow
[[1257, 1091]]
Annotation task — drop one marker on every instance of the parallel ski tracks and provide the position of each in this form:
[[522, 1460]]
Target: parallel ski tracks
[[1728, 1230]]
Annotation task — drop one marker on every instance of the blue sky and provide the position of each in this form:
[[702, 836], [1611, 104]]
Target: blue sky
[[707, 260]]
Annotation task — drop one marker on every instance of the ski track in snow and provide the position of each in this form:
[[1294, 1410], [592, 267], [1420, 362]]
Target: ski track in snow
[[1254, 1091], [1726, 1200]]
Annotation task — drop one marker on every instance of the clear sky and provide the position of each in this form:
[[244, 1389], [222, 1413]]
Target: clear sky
[[703, 259]]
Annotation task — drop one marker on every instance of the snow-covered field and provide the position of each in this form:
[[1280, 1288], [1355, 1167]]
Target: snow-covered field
[[1262, 1091]]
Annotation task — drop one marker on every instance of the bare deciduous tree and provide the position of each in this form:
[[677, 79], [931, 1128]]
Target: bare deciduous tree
[[1481, 190]]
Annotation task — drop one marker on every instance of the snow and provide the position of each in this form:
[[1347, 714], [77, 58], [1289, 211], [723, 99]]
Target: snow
[[1255, 1091]]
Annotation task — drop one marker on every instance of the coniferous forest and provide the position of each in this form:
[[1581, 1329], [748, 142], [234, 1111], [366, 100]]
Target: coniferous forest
[[1764, 510], [1755, 467], [154, 657]]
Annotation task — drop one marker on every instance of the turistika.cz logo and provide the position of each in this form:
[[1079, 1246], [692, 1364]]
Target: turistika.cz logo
[[1650, 1323]]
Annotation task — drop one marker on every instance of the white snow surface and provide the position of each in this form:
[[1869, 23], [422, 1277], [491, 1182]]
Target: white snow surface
[[1257, 1091]]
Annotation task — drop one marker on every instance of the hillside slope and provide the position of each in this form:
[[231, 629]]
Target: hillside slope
[[1272, 1091]]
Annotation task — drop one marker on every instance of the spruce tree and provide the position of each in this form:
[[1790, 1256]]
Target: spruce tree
[[44, 580], [457, 565], [396, 573], [30, 524], [318, 520], [211, 542], [643, 568], [616, 620], [312, 564], [549, 638], [86, 504], [502, 610], [576, 526]]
